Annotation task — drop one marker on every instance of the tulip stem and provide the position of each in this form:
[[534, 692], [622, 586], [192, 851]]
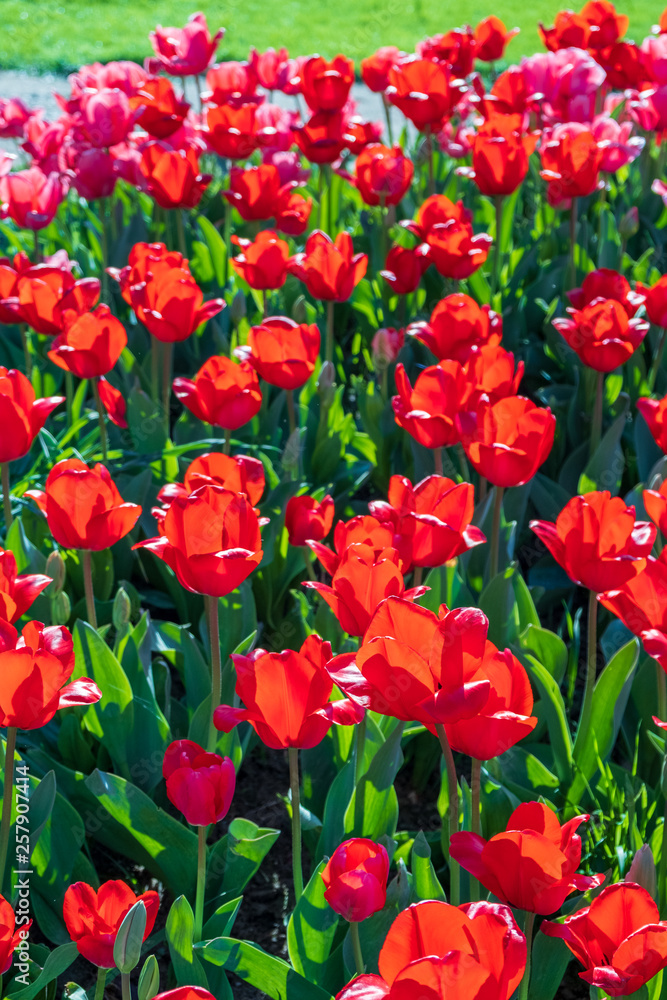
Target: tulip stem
[[475, 818], [591, 662], [297, 873], [69, 396], [155, 368], [101, 983], [329, 353], [657, 360], [6, 496], [88, 586], [499, 202], [211, 605], [291, 414], [126, 990], [201, 881], [264, 310], [182, 245], [528, 932], [662, 692], [104, 444], [495, 530], [360, 743], [356, 948], [453, 786], [572, 267], [662, 870], [429, 157], [27, 356], [7, 798], [596, 421], [167, 355], [387, 115], [437, 461]]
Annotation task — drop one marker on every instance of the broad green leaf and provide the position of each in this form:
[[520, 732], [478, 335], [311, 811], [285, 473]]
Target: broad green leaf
[[547, 648], [271, 975], [551, 704], [58, 962], [425, 882], [373, 808], [550, 959], [311, 930], [605, 467], [180, 939]]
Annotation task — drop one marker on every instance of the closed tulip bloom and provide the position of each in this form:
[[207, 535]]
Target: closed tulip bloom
[[210, 539], [93, 918], [655, 505], [533, 864], [307, 519], [597, 541], [601, 334], [571, 162], [258, 193], [428, 411], [171, 305], [30, 197], [233, 131], [326, 85], [375, 69], [262, 263], [17, 591], [323, 137], [423, 91], [106, 116], [187, 51], [404, 268], [455, 251], [286, 697], [185, 993], [282, 352], [34, 669], [457, 327], [501, 155], [607, 27], [569, 30], [330, 270], [656, 300], [173, 176], [640, 604], [619, 939], [386, 346], [654, 412], [22, 416], [161, 112], [355, 877], [605, 283], [507, 441], [238, 473], [49, 297], [491, 38], [91, 346], [383, 175], [10, 936], [200, 784], [491, 372], [222, 393], [362, 529]]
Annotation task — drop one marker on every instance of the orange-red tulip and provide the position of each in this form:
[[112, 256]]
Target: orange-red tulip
[[262, 263], [491, 38], [282, 352], [654, 412], [91, 345], [330, 270], [222, 393], [428, 411], [258, 194], [508, 440], [457, 327], [601, 333], [423, 90], [641, 605], [171, 304], [93, 918], [173, 176], [21, 415], [17, 591], [238, 473], [161, 112], [10, 935]]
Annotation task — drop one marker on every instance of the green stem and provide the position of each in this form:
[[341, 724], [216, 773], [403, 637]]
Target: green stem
[[102, 211], [475, 818], [495, 530], [201, 881], [387, 115], [182, 246], [167, 355], [297, 873], [591, 662], [500, 201], [155, 369], [360, 743], [126, 990], [291, 413], [356, 948], [264, 313], [429, 157], [69, 396], [662, 692], [228, 240], [211, 605], [101, 983], [596, 421], [453, 786], [27, 356], [572, 267], [7, 798], [662, 870], [528, 931], [657, 360], [329, 351], [6, 496], [101, 421], [88, 586]]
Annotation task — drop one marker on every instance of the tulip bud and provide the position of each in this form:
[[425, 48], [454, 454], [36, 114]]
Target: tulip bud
[[642, 870], [238, 308], [385, 346], [61, 608], [299, 310], [292, 450], [55, 568], [629, 223], [326, 383], [122, 609], [149, 979], [129, 939]]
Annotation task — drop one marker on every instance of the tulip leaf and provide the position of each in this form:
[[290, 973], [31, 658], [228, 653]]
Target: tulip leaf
[[42, 800], [311, 931], [146, 423], [180, 930], [373, 808], [551, 704], [550, 958], [57, 962], [605, 467], [216, 248], [425, 884], [235, 858], [265, 972], [547, 648]]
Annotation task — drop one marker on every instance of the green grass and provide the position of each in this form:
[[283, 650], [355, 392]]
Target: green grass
[[60, 35]]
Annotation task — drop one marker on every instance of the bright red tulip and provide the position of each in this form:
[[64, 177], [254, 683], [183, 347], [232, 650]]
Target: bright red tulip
[[17, 591], [569, 30], [455, 251], [307, 519], [601, 334], [423, 90], [458, 327], [113, 402], [375, 69], [491, 39], [91, 345], [533, 864], [362, 529], [238, 473], [262, 263], [186, 993], [232, 82], [323, 137], [258, 193], [10, 936], [200, 784], [608, 284], [656, 300], [428, 410], [326, 85], [508, 440], [210, 539], [641, 605], [282, 352], [34, 669], [30, 197], [655, 505], [404, 268], [93, 918], [454, 49], [491, 372], [330, 270], [287, 697], [619, 939], [187, 51], [607, 27], [500, 155], [222, 393], [597, 541], [173, 176], [233, 131], [383, 175], [360, 133], [161, 112], [171, 304], [49, 297], [571, 161], [355, 877], [654, 412], [21, 415], [145, 261]]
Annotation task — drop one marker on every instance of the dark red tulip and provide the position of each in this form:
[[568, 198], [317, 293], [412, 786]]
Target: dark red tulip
[[404, 268], [222, 393], [307, 519], [355, 877], [200, 784], [428, 410]]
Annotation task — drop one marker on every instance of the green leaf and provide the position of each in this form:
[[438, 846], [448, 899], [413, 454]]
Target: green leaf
[[373, 808], [237, 856], [547, 648], [58, 962], [311, 930], [425, 881], [271, 975], [180, 932], [605, 467], [146, 423], [551, 704], [216, 247], [550, 959], [42, 801]]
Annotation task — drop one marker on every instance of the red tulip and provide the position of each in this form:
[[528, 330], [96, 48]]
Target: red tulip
[[362, 529], [641, 605], [656, 300], [147, 260], [233, 131], [49, 297], [454, 49], [17, 592], [360, 133], [287, 697], [655, 505], [238, 473], [386, 346], [172, 176], [428, 411], [571, 161], [654, 412], [268, 66], [200, 784], [607, 27], [21, 415], [210, 539], [619, 939], [501, 155], [383, 175], [533, 864], [113, 402], [93, 918], [355, 877], [491, 38], [262, 264], [307, 519], [404, 268], [10, 937], [597, 541], [232, 82], [330, 270], [34, 669], [106, 116], [30, 197], [569, 30], [186, 993], [161, 112], [423, 90], [491, 373], [91, 346], [455, 251], [323, 137], [14, 116], [458, 327], [601, 333], [326, 85], [507, 441], [187, 51], [171, 304], [282, 352], [258, 193], [9, 273], [222, 393], [608, 284], [375, 69]]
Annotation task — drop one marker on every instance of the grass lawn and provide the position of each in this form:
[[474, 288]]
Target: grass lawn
[[60, 35]]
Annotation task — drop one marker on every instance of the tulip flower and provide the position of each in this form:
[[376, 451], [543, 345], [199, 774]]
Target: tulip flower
[[237, 473], [93, 918], [258, 193], [385, 348], [330, 270], [455, 251], [282, 352], [49, 297], [619, 939], [571, 160], [362, 529], [356, 879], [500, 156], [22, 416], [106, 116], [323, 137], [14, 116], [569, 30], [233, 131], [161, 112], [113, 402], [145, 261], [187, 51], [30, 197], [185, 993], [604, 283], [423, 91], [307, 519], [172, 176], [607, 27], [10, 936], [91, 345], [455, 49], [404, 268], [262, 263], [383, 175], [222, 393], [507, 441], [17, 591], [171, 304], [655, 297], [654, 412], [360, 133], [326, 85], [428, 411], [491, 39], [655, 505], [491, 373], [601, 333], [458, 327], [375, 69], [640, 604]]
